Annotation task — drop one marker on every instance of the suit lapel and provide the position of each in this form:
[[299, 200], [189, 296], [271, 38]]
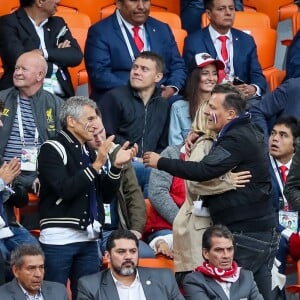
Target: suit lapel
[[237, 49], [209, 43], [216, 288], [147, 284], [108, 288], [28, 26], [16, 290]]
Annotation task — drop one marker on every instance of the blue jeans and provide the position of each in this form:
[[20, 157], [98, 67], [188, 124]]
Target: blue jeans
[[21, 236], [70, 261], [144, 249], [256, 251], [142, 174]]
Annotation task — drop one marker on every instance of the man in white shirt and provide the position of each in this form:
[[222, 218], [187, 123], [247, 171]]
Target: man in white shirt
[[124, 280], [281, 149], [240, 58]]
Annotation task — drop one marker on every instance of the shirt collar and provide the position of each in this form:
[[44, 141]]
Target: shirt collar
[[37, 296], [127, 24], [214, 34]]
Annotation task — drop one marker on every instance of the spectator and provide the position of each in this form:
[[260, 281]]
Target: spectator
[[200, 83], [30, 117], [166, 195], [220, 277], [138, 113], [127, 208], [281, 148], [237, 51], [33, 27], [125, 278], [191, 13], [27, 263], [73, 192], [110, 49], [248, 212], [283, 101]]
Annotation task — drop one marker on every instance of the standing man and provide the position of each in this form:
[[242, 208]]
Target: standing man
[[235, 48], [27, 263], [73, 192], [247, 211], [33, 27], [219, 277], [124, 279], [138, 113], [113, 44]]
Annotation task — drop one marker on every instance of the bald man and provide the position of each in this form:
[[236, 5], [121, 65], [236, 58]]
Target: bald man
[[30, 117]]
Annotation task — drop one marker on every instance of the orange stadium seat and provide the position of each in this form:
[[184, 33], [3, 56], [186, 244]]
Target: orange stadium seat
[[277, 10], [7, 6], [79, 24]]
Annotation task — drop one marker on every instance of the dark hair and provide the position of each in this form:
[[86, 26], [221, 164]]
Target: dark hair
[[233, 97], [290, 122], [215, 231], [16, 257], [160, 64], [120, 234], [26, 3], [1, 106]]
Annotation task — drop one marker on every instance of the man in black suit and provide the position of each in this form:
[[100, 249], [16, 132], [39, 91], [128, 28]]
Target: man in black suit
[[33, 27]]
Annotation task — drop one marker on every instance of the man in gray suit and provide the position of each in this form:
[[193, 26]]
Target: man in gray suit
[[219, 277], [27, 263], [125, 277]]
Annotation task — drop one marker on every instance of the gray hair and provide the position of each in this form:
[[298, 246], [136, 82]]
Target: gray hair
[[72, 107], [16, 257]]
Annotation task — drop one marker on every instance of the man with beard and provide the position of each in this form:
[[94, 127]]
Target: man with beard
[[124, 278]]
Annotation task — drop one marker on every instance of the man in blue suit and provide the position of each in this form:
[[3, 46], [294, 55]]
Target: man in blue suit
[[242, 61], [111, 48]]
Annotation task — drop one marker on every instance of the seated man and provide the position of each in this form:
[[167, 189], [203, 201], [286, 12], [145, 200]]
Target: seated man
[[114, 43], [234, 47], [30, 117], [127, 209], [10, 236], [137, 113], [219, 277], [27, 263], [33, 27], [125, 278]]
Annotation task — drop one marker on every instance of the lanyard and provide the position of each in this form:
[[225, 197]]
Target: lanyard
[[21, 129], [278, 176], [125, 36]]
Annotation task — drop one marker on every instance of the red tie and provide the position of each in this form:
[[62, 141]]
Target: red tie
[[224, 53], [137, 39], [283, 170]]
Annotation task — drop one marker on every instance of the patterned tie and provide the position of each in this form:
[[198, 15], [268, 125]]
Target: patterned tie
[[137, 39], [283, 170], [224, 53]]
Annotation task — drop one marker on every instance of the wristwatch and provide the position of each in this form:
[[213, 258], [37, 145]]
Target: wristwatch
[[2, 185]]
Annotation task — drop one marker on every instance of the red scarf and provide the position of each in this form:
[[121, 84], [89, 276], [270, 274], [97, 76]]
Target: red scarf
[[230, 275]]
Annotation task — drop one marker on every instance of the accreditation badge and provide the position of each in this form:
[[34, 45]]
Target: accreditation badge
[[29, 158]]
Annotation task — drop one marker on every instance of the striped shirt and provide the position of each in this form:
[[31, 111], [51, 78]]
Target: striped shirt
[[14, 145]]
